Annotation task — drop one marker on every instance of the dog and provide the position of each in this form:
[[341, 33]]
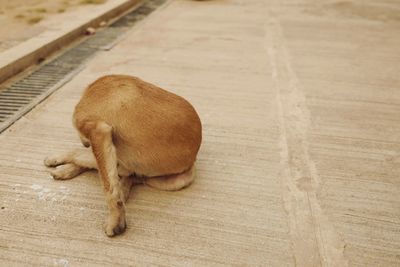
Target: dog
[[131, 130]]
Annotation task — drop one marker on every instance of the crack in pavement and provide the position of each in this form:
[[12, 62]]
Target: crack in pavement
[[314, 239]]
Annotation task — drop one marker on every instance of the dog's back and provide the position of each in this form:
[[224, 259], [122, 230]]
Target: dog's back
[[154, 131]]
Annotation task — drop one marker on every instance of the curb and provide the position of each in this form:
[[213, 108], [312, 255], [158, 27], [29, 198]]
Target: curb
[[34, 50]]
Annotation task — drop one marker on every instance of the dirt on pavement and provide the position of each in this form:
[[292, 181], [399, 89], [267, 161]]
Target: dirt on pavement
[[23, 19]]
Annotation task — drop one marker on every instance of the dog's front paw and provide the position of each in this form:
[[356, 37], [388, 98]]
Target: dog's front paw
[[66, 171], [53, 161], [115, 226]]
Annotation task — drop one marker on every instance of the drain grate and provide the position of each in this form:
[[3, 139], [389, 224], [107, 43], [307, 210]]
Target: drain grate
[[21, 96]]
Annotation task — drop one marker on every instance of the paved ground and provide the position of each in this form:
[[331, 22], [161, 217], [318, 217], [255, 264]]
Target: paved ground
[[301, 155]]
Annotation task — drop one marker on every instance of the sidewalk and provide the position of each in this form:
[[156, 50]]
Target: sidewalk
[[300, 157]]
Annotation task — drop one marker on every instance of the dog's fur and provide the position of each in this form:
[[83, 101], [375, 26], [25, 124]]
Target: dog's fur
[[135, 129]]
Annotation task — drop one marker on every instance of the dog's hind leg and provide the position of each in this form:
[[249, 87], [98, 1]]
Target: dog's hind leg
[[100, 136], [172, 182], [126, 186]]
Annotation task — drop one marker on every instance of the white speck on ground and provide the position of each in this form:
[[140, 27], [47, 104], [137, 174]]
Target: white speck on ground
[[36, 187], [61, 262], [44, 193]]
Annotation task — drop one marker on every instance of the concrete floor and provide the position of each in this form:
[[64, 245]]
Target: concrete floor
[[300, 161]]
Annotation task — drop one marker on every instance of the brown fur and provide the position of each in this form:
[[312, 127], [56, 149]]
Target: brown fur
[[135, 129]]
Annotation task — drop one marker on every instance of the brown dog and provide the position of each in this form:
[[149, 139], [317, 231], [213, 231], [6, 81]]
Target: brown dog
[[135, 129]]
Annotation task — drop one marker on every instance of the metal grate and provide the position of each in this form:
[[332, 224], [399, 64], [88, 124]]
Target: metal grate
[[21, 96]]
